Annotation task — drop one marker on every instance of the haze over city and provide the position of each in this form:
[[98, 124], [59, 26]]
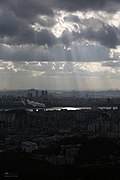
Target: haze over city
[[56, 44]]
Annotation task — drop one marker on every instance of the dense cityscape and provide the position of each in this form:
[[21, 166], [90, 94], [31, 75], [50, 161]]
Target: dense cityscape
[[60, 89], [40, 131]]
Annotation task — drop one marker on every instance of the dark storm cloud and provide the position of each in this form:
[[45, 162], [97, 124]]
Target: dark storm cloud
[[71, 5], [17, 16], [109, 36], [30, 36], [80, 4], [20, 32], [106, 35], [10, 25], [27, 8]]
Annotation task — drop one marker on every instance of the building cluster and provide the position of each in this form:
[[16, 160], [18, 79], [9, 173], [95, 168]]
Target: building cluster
[[102, 122], [67, 155], [106, 124], [33, 131], [12, 99], [25, 125], [36, 93], [23, 93]]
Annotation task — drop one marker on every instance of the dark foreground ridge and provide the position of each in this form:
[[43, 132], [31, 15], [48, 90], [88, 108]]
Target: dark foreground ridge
[[98, 158], [66, 145]]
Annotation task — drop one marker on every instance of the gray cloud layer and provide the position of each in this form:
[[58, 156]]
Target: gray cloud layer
[[18, 16], [30, 8], [69, 5]]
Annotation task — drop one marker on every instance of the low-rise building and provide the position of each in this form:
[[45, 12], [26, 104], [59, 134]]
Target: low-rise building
[[29, 146]]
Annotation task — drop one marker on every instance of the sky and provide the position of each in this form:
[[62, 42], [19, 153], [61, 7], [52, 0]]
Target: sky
[[60, 44]]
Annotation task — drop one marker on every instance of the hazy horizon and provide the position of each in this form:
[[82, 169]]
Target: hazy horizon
[[64, 90]]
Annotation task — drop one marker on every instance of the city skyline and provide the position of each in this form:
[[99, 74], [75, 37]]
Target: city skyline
[[61, 45]]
